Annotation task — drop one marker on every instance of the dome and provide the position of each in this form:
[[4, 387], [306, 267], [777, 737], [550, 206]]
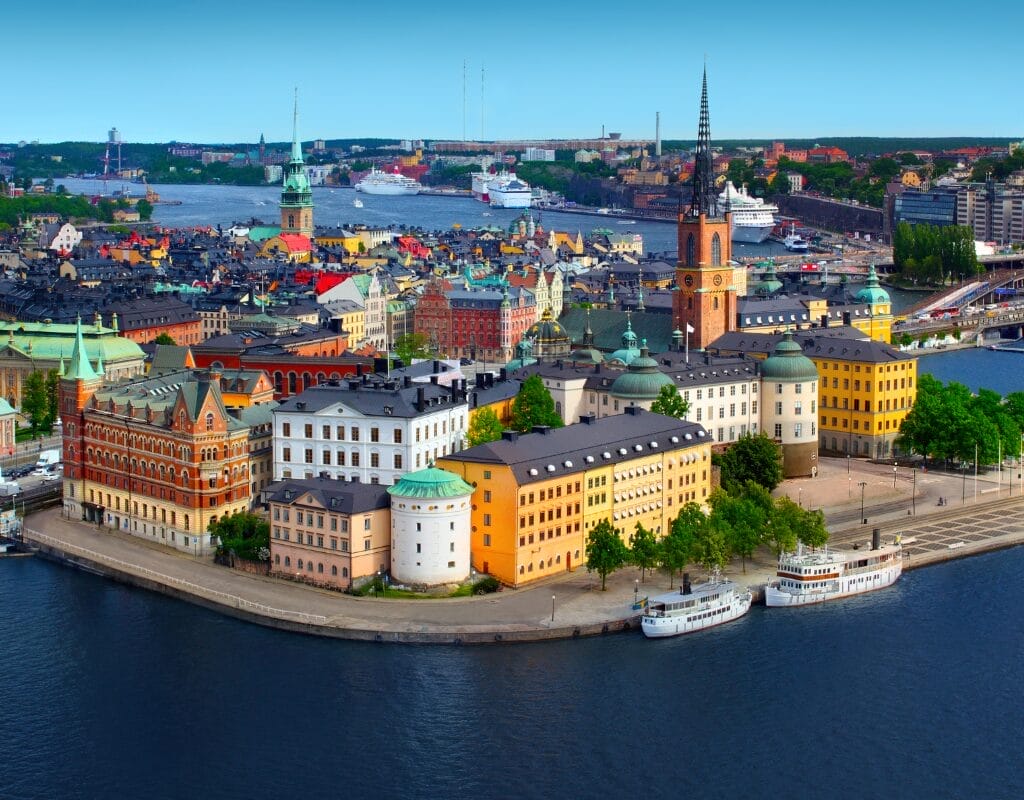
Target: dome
[[430, 482], [628, 352], [788, 363], [587, 355], [872, 292], [642, 380], [548, 330], [769, 283], [523, 356]]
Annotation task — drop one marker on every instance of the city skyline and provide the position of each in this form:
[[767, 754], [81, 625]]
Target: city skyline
[[195, 74]]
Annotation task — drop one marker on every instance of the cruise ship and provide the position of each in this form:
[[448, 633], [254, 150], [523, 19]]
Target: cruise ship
[[694, 608], [752, 218], [377, 182], [480, 181], [505, 190], [813, 577]]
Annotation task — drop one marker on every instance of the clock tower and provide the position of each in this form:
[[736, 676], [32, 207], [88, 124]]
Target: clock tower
[[296, 194], [705, 304]]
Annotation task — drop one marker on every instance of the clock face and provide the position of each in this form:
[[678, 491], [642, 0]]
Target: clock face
[[718, 280], [688, 280]]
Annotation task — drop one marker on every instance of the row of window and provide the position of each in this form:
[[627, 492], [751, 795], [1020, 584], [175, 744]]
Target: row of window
[[420, 434], [308, 565], [891, 404], [843, 422], [542, 565]]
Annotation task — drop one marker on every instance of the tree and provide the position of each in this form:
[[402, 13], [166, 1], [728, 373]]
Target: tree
[[782, 527], [411, 346], [678, 547], [643, 550], [534, 406], [164, 338], [52, 398], [243, 533], [670, 403], [711, 551], [34, 404], [605, 550], [145, 209], [752, 458], [812, 531], [484, 427], [741, 519]]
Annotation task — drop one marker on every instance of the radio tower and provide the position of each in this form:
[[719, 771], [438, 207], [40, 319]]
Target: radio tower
[[704, 200]]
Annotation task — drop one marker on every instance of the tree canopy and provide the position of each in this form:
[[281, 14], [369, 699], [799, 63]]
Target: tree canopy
[[411, 346], [754, 458], [670, 403], [243, 533], [643, 550], [931, 254], [606, 551], [533, 405], [484, 427]]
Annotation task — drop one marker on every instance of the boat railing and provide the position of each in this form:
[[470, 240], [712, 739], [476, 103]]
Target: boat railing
[[169, 580]]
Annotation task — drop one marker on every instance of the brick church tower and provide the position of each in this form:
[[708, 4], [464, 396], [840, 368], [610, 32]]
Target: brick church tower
[[77, 386], [296, 193], [705, 304]]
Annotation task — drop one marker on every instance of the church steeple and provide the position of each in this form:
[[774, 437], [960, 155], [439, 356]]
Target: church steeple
[[296, 193], [296, 145], [704, 199], [80, 368]]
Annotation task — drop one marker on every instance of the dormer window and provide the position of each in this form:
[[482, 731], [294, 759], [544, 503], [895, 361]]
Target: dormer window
[[209, 421]]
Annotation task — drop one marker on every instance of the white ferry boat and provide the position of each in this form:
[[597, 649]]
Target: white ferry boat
[[505, 190], [694, 608], [480, 181], [752, 218], [795, 243], [390, 183], [806, 577]]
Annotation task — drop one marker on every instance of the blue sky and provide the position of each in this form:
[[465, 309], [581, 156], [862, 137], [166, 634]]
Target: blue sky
[[215, 71]]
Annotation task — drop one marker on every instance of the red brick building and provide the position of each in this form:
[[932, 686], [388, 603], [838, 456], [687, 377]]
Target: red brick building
[[143, 319]]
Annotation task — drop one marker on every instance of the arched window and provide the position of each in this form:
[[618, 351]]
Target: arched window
[[278, 382], [716, 251], [714, 303], [292, 383], [209, 421], [334, 570], [287, 561], [344, 572], [300, 563], [691, 250]]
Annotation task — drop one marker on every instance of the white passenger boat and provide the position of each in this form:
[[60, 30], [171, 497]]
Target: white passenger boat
[[752, 218], [694, 608], [389, 183], [806, 577]]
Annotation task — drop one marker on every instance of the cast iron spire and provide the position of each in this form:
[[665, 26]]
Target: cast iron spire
[[704, 198]]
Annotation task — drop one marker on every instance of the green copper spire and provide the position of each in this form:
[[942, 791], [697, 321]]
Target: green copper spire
[[296, 147], [80, 368]]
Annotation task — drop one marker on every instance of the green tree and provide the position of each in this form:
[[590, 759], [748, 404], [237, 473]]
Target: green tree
[[812, 531], [52, 398], [164, 338], [752, 458], [605, 550], [145, 209], [670, 403], [533, 405], [484, 427], [411, 346], [245, 534], [741, 519], [711, 550], [677, 549], [643, 550], [783, 524], [34, 404]]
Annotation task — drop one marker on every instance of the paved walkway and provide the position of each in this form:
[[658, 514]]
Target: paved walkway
[[579, 605]]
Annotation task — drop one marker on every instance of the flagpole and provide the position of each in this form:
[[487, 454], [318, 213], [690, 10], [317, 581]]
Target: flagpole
[[687, 342]]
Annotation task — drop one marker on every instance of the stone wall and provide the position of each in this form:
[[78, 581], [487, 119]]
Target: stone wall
[[819, 212]]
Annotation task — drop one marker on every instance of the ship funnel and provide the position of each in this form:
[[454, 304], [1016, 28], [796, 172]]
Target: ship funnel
[[876, 539], [686, 583]]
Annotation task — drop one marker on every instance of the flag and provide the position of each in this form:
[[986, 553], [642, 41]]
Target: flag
[[690, 328]]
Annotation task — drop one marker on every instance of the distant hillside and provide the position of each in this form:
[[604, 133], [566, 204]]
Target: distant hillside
[[857, 145]]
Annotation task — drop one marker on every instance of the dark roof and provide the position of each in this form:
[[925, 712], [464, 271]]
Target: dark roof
[[608, 327], [345, 497], [375, 399], [574, 448], [823, 343]]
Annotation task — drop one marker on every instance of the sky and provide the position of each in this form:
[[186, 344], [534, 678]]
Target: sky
[[214, 71]]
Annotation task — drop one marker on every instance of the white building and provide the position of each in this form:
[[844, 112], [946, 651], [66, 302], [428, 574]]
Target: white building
[[371, 429], [538, 154], [366, 291], [430, 528]]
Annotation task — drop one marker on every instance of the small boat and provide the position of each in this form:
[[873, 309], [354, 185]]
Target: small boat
[[694, 608], [357, 203], [795, 243], [813, 577]]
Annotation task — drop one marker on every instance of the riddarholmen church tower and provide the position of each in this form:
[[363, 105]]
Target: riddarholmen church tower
[[296, 194], [706, 299]]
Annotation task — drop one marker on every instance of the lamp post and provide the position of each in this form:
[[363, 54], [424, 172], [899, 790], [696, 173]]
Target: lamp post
[[800, 496], [552, 608], [636, 591], [975, 472], [862, 484], [893, 474], [913, 496], [963, 489]]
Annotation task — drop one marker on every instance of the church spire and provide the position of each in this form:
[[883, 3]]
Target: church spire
[[640, 294], [296, 145], [704, 200], [80, 368]]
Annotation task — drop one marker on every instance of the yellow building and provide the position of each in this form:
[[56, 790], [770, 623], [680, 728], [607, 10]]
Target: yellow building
[[538, 495]]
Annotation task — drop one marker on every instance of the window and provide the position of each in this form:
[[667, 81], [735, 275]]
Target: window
[[487, 495], [286, 429], [778, 430], [307, 430], [487, 474], [286, 454], [308, 455], [397, 438], [355, 434], [209, 421], [487, 519], [798, 429], [327, 431], [487, 540], [398, 461], [327, 457], [374, 434], [366, 523], [798, 407], [374, 459]]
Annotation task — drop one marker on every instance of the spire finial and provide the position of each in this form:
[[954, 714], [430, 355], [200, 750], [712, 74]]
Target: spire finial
[[704, 200], [296, 147]]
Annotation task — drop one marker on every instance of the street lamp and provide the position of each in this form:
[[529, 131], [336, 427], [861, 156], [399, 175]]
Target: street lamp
[[636, 591], [893, 474], [552, 608], [862, 484], [913, 495], [800, 496]]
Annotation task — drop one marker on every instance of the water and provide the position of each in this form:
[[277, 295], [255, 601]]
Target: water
[[109, 691], [977, 368], [213, 205]]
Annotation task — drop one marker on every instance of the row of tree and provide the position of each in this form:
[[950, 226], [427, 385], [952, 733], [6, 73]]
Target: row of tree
[[738, 524], [947, 422], [931, 253], [40, 395]]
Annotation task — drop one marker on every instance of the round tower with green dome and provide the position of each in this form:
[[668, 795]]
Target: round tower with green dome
[[878, 324], [641, 383], [789, 406]]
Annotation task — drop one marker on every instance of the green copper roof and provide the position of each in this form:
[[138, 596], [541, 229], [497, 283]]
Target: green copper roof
[[430, 482], [642, 379], [5, 408], [80, 368], [788, 363], [872, 292]]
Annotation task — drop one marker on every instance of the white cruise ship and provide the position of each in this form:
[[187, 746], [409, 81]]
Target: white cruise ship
[[505, 190], [480, 181], [377, 182], [752, 218], [694, 608], [813, 577]]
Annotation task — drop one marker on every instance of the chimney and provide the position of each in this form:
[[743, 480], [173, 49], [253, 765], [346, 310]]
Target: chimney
[[876, 538], [686, 588], [437, 365], [353, 385], [588, 419], [824, 320], [541, 429], [510, 436], [406, 381], [846, 318], [454, 389], [421, 399], [503, 374], [479, 377], [359, 370], [433, 379]]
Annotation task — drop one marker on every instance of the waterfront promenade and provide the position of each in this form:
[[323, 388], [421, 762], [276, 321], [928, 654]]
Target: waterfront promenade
[[967, 524]]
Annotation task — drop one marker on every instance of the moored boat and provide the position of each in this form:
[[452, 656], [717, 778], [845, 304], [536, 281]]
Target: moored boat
[[694, 608], [794, 242], [752, 218], [806, 577], [389, 183], [505, 190]]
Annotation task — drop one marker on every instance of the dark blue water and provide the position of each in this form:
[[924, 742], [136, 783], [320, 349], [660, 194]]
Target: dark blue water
[[109, 692], [212, 205], [977, 368]]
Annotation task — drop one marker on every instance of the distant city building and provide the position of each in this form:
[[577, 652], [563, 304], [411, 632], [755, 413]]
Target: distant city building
[[538, 154]]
